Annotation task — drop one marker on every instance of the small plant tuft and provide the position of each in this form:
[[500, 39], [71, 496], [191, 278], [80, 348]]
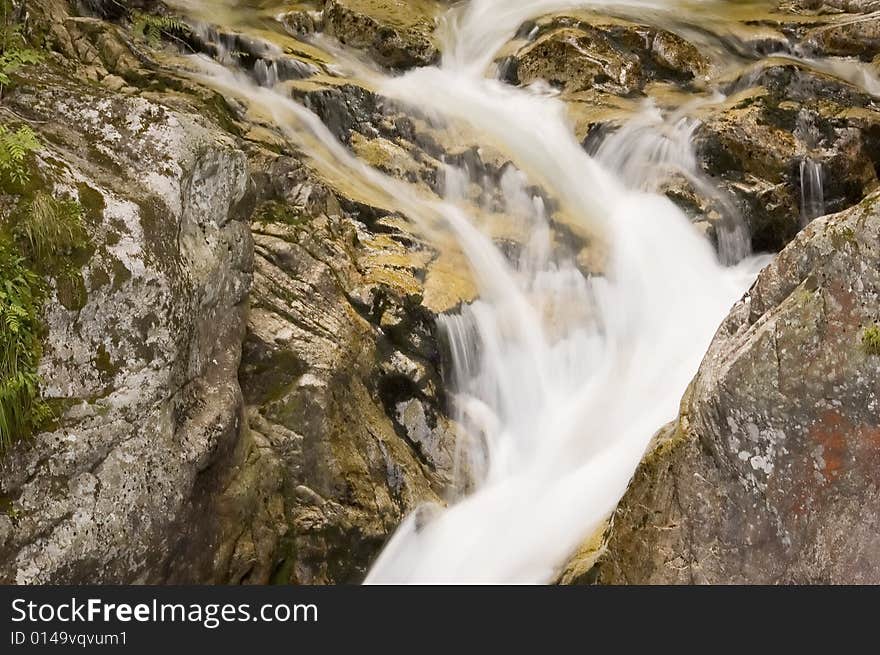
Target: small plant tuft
[[50, 227], [871, 340]]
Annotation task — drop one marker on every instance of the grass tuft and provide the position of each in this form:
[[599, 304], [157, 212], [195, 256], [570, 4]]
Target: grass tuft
[[50, 227], [871, 340]]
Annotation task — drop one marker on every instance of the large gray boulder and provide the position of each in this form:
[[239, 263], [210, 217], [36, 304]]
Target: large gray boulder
[[142, 366]]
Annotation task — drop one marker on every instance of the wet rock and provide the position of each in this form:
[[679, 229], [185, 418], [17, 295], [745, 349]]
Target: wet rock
[[770, 474], [830, 6], [615, 56], [345, 109], [345, 411], [857, 37], [302, 22], [575, 60], [396, 34], [755, 146]]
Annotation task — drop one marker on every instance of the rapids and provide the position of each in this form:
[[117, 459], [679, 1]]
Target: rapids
[[559, 378]]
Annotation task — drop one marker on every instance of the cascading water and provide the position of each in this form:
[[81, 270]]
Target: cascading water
[[560, 377], [653, 150], [811, 171], [812, 194]]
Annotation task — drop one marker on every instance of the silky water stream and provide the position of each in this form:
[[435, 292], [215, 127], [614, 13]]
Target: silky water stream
[[560, 375]]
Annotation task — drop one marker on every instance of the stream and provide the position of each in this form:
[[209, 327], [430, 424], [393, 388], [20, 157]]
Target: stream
[[560, 373]]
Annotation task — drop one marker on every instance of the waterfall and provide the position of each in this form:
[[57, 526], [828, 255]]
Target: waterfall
[[561, 373], [812, 195], [652, 151], [561, 378], [265, 73]]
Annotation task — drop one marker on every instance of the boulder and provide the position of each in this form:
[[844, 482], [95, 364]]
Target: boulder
[[857, 36], [346, 426], [396, 33], [142, 368], [608, 54]]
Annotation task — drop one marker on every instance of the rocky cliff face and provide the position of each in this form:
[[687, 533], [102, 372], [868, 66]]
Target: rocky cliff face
[[248, 385], [346, 429], [145, 363]]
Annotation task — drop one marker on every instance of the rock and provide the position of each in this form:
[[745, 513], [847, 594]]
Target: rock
[[851, 38], [576, 60], [302, 22], [607, 54], [113, 82], [114, 9], [771, 473], [830, 6], [347, 430], [754, 146], [144, 369], [344, 109], [396, 33]]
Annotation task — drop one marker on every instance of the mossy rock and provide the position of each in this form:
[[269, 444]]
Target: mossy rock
[[397, 33]]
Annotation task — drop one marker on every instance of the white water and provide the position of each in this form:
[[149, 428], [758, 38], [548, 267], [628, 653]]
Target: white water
[[812, 192], [560, 379], [652, 150]]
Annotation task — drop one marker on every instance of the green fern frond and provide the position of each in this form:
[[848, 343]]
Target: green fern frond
[[14, 50], [151, 27], [21, 408], [15, 147]]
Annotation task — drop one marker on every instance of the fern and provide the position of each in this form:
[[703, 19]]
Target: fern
[[14, 50], [15, 146], [21, 408], [151, 28], [12, 60]]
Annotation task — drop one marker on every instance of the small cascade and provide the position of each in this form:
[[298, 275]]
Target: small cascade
[[655, 152], [266, 73], [812, 195]]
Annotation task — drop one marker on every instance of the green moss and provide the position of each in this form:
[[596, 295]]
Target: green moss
[[285, 572], [218, 109], [71, 289], [273, 211], [842, 236], [103, 362], [871, 340], [92, 203]]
